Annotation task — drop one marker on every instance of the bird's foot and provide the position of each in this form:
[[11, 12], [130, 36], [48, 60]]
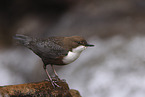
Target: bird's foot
[[56, 79], [54, 84]]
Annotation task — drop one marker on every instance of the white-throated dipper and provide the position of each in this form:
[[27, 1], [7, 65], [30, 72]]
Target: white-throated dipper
[[55, 50]]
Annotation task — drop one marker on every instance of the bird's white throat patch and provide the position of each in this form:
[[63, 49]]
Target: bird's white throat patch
[[73, 55]]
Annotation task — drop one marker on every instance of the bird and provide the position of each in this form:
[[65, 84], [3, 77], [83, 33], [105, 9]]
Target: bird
[[54, 50]]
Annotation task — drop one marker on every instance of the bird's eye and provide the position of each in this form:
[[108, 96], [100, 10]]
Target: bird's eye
[[80, 42]]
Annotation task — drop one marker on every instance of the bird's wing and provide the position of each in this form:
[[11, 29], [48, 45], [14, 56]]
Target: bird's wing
[[47, 48]]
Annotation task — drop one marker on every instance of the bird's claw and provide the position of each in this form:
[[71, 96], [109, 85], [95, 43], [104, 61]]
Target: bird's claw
[[53, 82]]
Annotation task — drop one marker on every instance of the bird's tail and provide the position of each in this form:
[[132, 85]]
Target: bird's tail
[[22, 39]]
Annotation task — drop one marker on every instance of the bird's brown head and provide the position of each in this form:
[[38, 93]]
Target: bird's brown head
[[75, 41]]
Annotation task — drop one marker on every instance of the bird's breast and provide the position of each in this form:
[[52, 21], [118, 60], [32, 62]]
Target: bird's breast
[[70, 57], [73, 55]]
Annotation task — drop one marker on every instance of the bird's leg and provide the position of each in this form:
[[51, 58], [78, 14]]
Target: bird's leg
[[49, 77], [56, 75]]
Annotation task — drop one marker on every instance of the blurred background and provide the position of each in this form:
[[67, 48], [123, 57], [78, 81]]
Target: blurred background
[[115, 67]]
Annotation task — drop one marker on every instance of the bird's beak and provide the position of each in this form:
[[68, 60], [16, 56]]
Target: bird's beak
[[89, 45]]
